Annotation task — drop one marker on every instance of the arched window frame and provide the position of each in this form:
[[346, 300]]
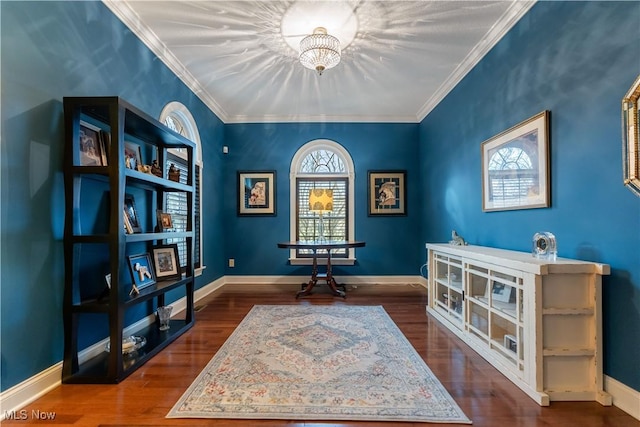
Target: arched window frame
[[182, 121], [349, 174]]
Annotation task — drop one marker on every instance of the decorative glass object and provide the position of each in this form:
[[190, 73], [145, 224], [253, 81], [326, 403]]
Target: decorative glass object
[[130, 344], [164, 315], [544, 246]]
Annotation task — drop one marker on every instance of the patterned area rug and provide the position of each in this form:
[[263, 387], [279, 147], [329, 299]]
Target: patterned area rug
[[305, 362]]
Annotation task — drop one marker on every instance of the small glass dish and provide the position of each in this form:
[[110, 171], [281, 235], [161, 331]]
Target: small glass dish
[[130, 344]]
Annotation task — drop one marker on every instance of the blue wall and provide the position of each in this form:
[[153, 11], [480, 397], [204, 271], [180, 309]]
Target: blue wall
[[577, 60], [392, 243], [51, 50], [574, 59]]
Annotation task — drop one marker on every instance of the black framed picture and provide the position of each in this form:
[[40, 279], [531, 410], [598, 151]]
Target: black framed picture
[[142, 271], [166, 261], [91, 147], [132, 214], [387, 192], [256, 193]]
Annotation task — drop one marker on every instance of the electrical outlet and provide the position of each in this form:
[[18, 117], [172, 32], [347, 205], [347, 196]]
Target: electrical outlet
[[232, 262]]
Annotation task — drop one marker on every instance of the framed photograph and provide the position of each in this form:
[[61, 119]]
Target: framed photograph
[[515, 167], [166, 261], [132, 155], [387, 193], [105, 146], [256, 193], [164, 220], [91, 146], [503, 293], [141, 270], [131, 213]]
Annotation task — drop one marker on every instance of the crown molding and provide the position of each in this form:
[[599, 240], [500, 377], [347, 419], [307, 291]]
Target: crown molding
[[130, 18], [510, 17], [321, 119]]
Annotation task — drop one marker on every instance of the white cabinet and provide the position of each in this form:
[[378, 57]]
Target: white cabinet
[[537, 321]]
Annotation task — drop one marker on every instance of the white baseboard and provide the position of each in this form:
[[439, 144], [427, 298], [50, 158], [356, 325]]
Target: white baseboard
[[624, 397], [347, 280], [27, 391], [20, 395]]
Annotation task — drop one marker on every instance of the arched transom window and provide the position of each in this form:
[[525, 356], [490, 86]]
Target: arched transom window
[[322, 164]]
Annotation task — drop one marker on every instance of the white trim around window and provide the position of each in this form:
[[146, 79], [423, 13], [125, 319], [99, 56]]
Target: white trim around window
[[294, 173]]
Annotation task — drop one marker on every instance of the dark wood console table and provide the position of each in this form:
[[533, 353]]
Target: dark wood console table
[[315, 246]]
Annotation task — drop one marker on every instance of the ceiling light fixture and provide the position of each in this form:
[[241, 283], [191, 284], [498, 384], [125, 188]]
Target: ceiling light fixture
[[319, 51]]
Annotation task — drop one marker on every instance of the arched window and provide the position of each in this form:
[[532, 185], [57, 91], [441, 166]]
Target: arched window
[[322, 164], [512, 176], [178, 118]]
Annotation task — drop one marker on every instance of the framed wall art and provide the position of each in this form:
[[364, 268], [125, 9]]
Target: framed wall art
[[256, 193], [166, 261], [142, 271], [631, 137], [387, 192], [515, 167], [91, 146]]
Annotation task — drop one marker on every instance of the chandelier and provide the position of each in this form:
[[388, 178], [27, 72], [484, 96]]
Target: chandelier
[[319, 51]]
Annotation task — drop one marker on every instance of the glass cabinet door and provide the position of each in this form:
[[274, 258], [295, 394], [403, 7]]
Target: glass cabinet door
[[448, 287], [477, 302]]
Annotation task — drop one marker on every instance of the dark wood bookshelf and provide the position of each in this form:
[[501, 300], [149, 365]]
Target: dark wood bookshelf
[[110, 247]]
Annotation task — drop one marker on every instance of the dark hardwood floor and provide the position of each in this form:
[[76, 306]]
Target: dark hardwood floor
[[145, 397]]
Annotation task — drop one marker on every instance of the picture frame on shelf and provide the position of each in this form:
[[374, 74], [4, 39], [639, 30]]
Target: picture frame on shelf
[[132, 155], [142, 272], [131, 214], [165, 222], [502, 293], [166, 261], [90, 145], [256, 193], [515, 166], [387, 192], [105, 146]]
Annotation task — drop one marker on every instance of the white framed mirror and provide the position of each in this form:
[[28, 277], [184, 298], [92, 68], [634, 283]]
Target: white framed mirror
[[631, 138]]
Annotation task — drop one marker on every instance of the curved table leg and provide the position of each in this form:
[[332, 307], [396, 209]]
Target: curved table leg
[[331, 281], [314, 278]]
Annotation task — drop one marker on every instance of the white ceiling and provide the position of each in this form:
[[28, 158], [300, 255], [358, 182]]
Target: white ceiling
[[236, 56]]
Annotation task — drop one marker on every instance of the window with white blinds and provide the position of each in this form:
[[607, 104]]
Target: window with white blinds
[[335, 225], [322, 164], [176, 205], [177, 117]]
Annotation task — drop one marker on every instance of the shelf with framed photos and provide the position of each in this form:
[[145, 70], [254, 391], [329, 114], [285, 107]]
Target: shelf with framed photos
[[114, 279], [537, 321]]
